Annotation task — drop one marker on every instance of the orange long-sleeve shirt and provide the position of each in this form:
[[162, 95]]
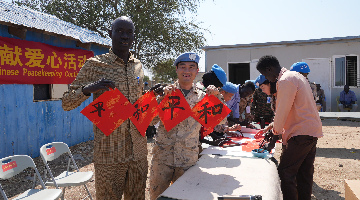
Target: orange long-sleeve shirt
[[296, 111]]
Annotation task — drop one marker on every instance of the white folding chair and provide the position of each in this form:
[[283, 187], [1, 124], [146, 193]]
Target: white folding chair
[[13, 165], [50, 152]]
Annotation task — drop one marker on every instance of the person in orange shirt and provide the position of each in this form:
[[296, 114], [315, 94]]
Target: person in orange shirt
[[297, 119]]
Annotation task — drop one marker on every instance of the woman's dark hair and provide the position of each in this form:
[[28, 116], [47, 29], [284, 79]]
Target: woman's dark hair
[[273, 87], [210, 78]]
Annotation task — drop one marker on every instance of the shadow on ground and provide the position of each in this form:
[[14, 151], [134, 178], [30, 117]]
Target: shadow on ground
[[334, 122], [321, 193], [341, 153]]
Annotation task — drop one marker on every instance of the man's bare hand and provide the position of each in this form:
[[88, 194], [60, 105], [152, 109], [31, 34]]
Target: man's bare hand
[[101, 84], [260, 133], [236, 127], [212, 90]]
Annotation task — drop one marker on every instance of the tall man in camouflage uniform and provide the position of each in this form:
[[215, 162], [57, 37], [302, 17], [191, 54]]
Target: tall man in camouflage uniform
[[120, 158], [177, 150]]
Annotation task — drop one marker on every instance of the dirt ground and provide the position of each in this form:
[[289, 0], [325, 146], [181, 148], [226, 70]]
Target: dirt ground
[[337, 158]]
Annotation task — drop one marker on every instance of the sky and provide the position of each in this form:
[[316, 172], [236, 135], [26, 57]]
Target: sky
[[257, 21]]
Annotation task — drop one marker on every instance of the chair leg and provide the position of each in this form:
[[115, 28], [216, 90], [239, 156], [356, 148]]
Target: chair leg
[[87, 190], [63, 194]]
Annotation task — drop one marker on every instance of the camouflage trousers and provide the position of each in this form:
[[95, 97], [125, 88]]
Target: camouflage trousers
[[161, 176], [112, 180]]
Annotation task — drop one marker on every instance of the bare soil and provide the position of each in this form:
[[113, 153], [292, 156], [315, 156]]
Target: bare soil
[[337, 159]]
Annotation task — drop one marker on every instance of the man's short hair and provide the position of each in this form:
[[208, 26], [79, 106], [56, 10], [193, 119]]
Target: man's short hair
[[267, 61], [123, 18], [210, 78], [250, 84]]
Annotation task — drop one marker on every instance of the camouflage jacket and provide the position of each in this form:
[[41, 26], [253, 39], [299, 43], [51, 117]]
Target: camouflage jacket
[[261, 105], [125, 143]]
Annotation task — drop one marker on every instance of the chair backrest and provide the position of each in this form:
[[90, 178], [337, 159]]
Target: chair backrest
[[51, 151], [13, 165]]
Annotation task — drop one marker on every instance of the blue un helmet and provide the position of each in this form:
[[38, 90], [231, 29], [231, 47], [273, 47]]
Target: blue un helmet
[[230, 88], [301, 67], [260, 80], [220, 73], [187, 57]]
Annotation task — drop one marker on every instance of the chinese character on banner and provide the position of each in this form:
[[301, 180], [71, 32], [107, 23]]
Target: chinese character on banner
[[145, 111], [109, 111], [173, 109], [209, 112]]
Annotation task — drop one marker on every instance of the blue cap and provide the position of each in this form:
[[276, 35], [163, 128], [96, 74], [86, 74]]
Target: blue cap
[[253, 81], [187, 57], [220, 73], [302, 67], [230, 87], [260, 80], [146, 83]]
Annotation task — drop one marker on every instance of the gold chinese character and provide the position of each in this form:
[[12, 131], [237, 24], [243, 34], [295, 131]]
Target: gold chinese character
[[81, 60], [35, 57], [10, 56], [51, 61], [71, 64]]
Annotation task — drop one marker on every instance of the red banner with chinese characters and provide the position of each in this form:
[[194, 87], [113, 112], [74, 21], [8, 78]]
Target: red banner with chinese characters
[[109, 111], [173, 109], [209, 112], [146, 110], [27, 62], [112, 108]]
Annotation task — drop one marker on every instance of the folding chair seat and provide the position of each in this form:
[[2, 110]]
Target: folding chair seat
[[50, 152], [13, 165]]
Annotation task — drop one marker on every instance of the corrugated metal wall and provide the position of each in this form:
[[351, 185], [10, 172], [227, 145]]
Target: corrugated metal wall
[[26, 125]]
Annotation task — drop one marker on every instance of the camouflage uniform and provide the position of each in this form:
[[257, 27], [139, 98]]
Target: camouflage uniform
[[175, 151], [320, 99], [261, 107], [120, 158], [244, 102]]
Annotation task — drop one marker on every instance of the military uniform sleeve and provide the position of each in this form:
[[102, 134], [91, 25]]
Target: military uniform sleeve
[[254, 103], [236, 113], [74, 96]]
